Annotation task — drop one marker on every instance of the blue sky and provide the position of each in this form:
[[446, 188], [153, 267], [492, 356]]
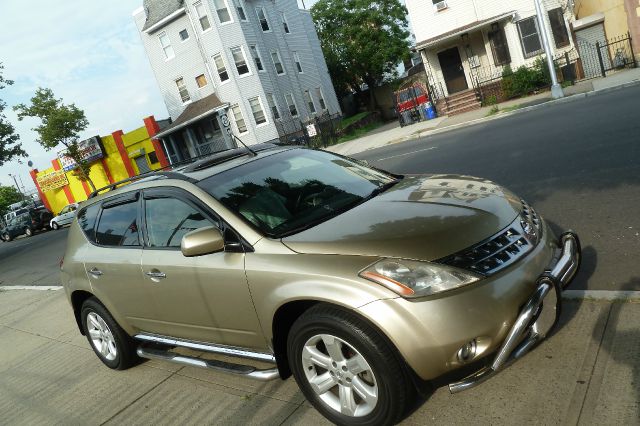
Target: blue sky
[[89, 53]]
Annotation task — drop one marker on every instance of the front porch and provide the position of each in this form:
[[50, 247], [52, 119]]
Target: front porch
[[202, 129]]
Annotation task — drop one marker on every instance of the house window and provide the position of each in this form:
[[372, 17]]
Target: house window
[[293, 110], [184, 35], [203, 18], [296, 59], [182, 89], [277, 63], [309, 101], [222, 10], [166, 45], [240, 60], [285, 25], [239, 119], [221, 68], [262, 17], [499, 46], [257, 110], [323, 105], [528, 29], [240, 10], [273, 106], [558, 27], [256, 57], [201, 80]]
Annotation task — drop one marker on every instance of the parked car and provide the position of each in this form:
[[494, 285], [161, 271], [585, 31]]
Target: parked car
[[65, 217], [27, 223], [365, 285]]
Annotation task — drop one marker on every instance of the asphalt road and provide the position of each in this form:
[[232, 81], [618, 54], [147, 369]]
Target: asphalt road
[[34, 260], [578, 163]]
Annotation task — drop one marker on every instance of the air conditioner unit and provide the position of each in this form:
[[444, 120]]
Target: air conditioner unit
[[441, 5]]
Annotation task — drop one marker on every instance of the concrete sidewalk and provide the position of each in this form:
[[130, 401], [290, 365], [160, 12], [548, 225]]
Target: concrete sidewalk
[[587, 373], [392, 133]]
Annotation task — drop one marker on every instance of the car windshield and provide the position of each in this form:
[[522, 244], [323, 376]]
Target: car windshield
[[287, 192]]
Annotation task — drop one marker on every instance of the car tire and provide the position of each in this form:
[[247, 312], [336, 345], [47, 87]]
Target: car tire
[[6, 237], [108, 340], [336, 358], [28, 232], [55, 226]]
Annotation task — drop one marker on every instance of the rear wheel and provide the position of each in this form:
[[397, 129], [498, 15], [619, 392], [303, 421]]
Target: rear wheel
[[109, 341], [28, 232], [55, 226], [346, 369], [6, 237]]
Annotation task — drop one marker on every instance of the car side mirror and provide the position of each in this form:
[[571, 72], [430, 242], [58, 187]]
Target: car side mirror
[[202, 241]]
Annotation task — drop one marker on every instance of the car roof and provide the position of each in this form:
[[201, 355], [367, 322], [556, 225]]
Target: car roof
[[192, 172]]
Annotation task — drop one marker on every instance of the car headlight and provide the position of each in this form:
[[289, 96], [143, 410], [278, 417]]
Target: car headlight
[[410, 278]]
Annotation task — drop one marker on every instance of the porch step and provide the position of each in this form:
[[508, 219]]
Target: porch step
[[458, 103]]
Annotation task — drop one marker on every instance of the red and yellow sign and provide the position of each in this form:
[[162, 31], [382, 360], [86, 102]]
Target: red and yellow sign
[[53, 180]]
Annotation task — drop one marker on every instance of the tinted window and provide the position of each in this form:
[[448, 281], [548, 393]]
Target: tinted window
[[87, 221], [292, 190], [119, 225], [168, 219]]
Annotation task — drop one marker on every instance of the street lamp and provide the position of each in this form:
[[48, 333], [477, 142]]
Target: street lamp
[[556, 89]]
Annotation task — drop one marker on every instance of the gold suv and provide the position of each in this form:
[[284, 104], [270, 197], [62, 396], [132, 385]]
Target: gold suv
[[363, 284]]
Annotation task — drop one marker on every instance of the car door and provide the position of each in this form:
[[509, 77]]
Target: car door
[[68, 215], [112, 262], [203, 298]]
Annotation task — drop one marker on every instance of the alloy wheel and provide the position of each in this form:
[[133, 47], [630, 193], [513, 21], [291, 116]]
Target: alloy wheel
[[101, 336], [340, 375]]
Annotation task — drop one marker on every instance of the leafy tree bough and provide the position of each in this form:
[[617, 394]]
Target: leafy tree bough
[[60, 125], [362, 41], [10, 147]]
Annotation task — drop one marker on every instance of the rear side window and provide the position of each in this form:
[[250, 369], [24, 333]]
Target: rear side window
[[118, 225], [87, 221]]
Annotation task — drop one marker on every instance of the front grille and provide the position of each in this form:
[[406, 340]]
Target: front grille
[[503, 249]]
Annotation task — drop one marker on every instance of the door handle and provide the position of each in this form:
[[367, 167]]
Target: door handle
[[158, 274], [95, 271]]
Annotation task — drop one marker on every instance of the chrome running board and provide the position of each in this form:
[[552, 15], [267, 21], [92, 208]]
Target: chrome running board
[[224, 367], [207, 347]]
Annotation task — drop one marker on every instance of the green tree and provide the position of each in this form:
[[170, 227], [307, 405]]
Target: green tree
[[8, 196], [10, 147], [362, 40], [60, 125]]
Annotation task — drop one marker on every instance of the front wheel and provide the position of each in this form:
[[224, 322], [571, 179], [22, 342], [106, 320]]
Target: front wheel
[[55, 226], [346, 369], [28, 232], [108, 340], [6, 237]]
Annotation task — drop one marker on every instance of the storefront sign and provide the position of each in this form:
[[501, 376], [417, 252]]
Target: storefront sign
[[311, 130], [53, 180], [91, 150]]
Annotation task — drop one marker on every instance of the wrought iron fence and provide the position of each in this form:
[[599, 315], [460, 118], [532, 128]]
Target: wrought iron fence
[[318, 132]]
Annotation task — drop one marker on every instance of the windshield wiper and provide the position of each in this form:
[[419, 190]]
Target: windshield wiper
[[382, 188]]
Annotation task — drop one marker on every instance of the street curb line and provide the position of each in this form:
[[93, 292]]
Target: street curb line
[[602, 295], [31, 287], [510, 113]]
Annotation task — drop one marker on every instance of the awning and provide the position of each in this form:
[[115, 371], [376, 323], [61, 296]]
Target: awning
[[195, 111], [461, 30], [588, 21]]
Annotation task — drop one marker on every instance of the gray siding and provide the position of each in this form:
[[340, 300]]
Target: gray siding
[[195, 56]]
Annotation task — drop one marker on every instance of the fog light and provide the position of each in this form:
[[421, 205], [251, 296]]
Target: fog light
[[467, 351]]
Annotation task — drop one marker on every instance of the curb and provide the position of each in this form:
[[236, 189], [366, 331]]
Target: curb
[[30, 287], [510, 113], [602, 295]]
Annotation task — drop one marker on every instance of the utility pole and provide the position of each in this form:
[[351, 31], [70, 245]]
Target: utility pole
[[17, 187], [556, 89]]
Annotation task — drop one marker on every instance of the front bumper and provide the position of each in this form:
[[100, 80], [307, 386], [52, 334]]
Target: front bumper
[[538, 316]]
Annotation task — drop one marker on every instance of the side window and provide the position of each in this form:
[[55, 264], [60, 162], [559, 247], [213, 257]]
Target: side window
[[118, 225], [169, 219], [87, 221]]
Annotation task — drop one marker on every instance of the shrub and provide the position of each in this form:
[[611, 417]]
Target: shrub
[[525, 80], [491, 100]]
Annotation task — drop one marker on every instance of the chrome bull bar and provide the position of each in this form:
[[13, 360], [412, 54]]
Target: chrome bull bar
[[537, 318]]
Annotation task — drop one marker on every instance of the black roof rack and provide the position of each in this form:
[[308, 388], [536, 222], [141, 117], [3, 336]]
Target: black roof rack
[[149, 176], [226, 155]]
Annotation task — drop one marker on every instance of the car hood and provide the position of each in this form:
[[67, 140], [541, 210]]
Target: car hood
[[421, 217]]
